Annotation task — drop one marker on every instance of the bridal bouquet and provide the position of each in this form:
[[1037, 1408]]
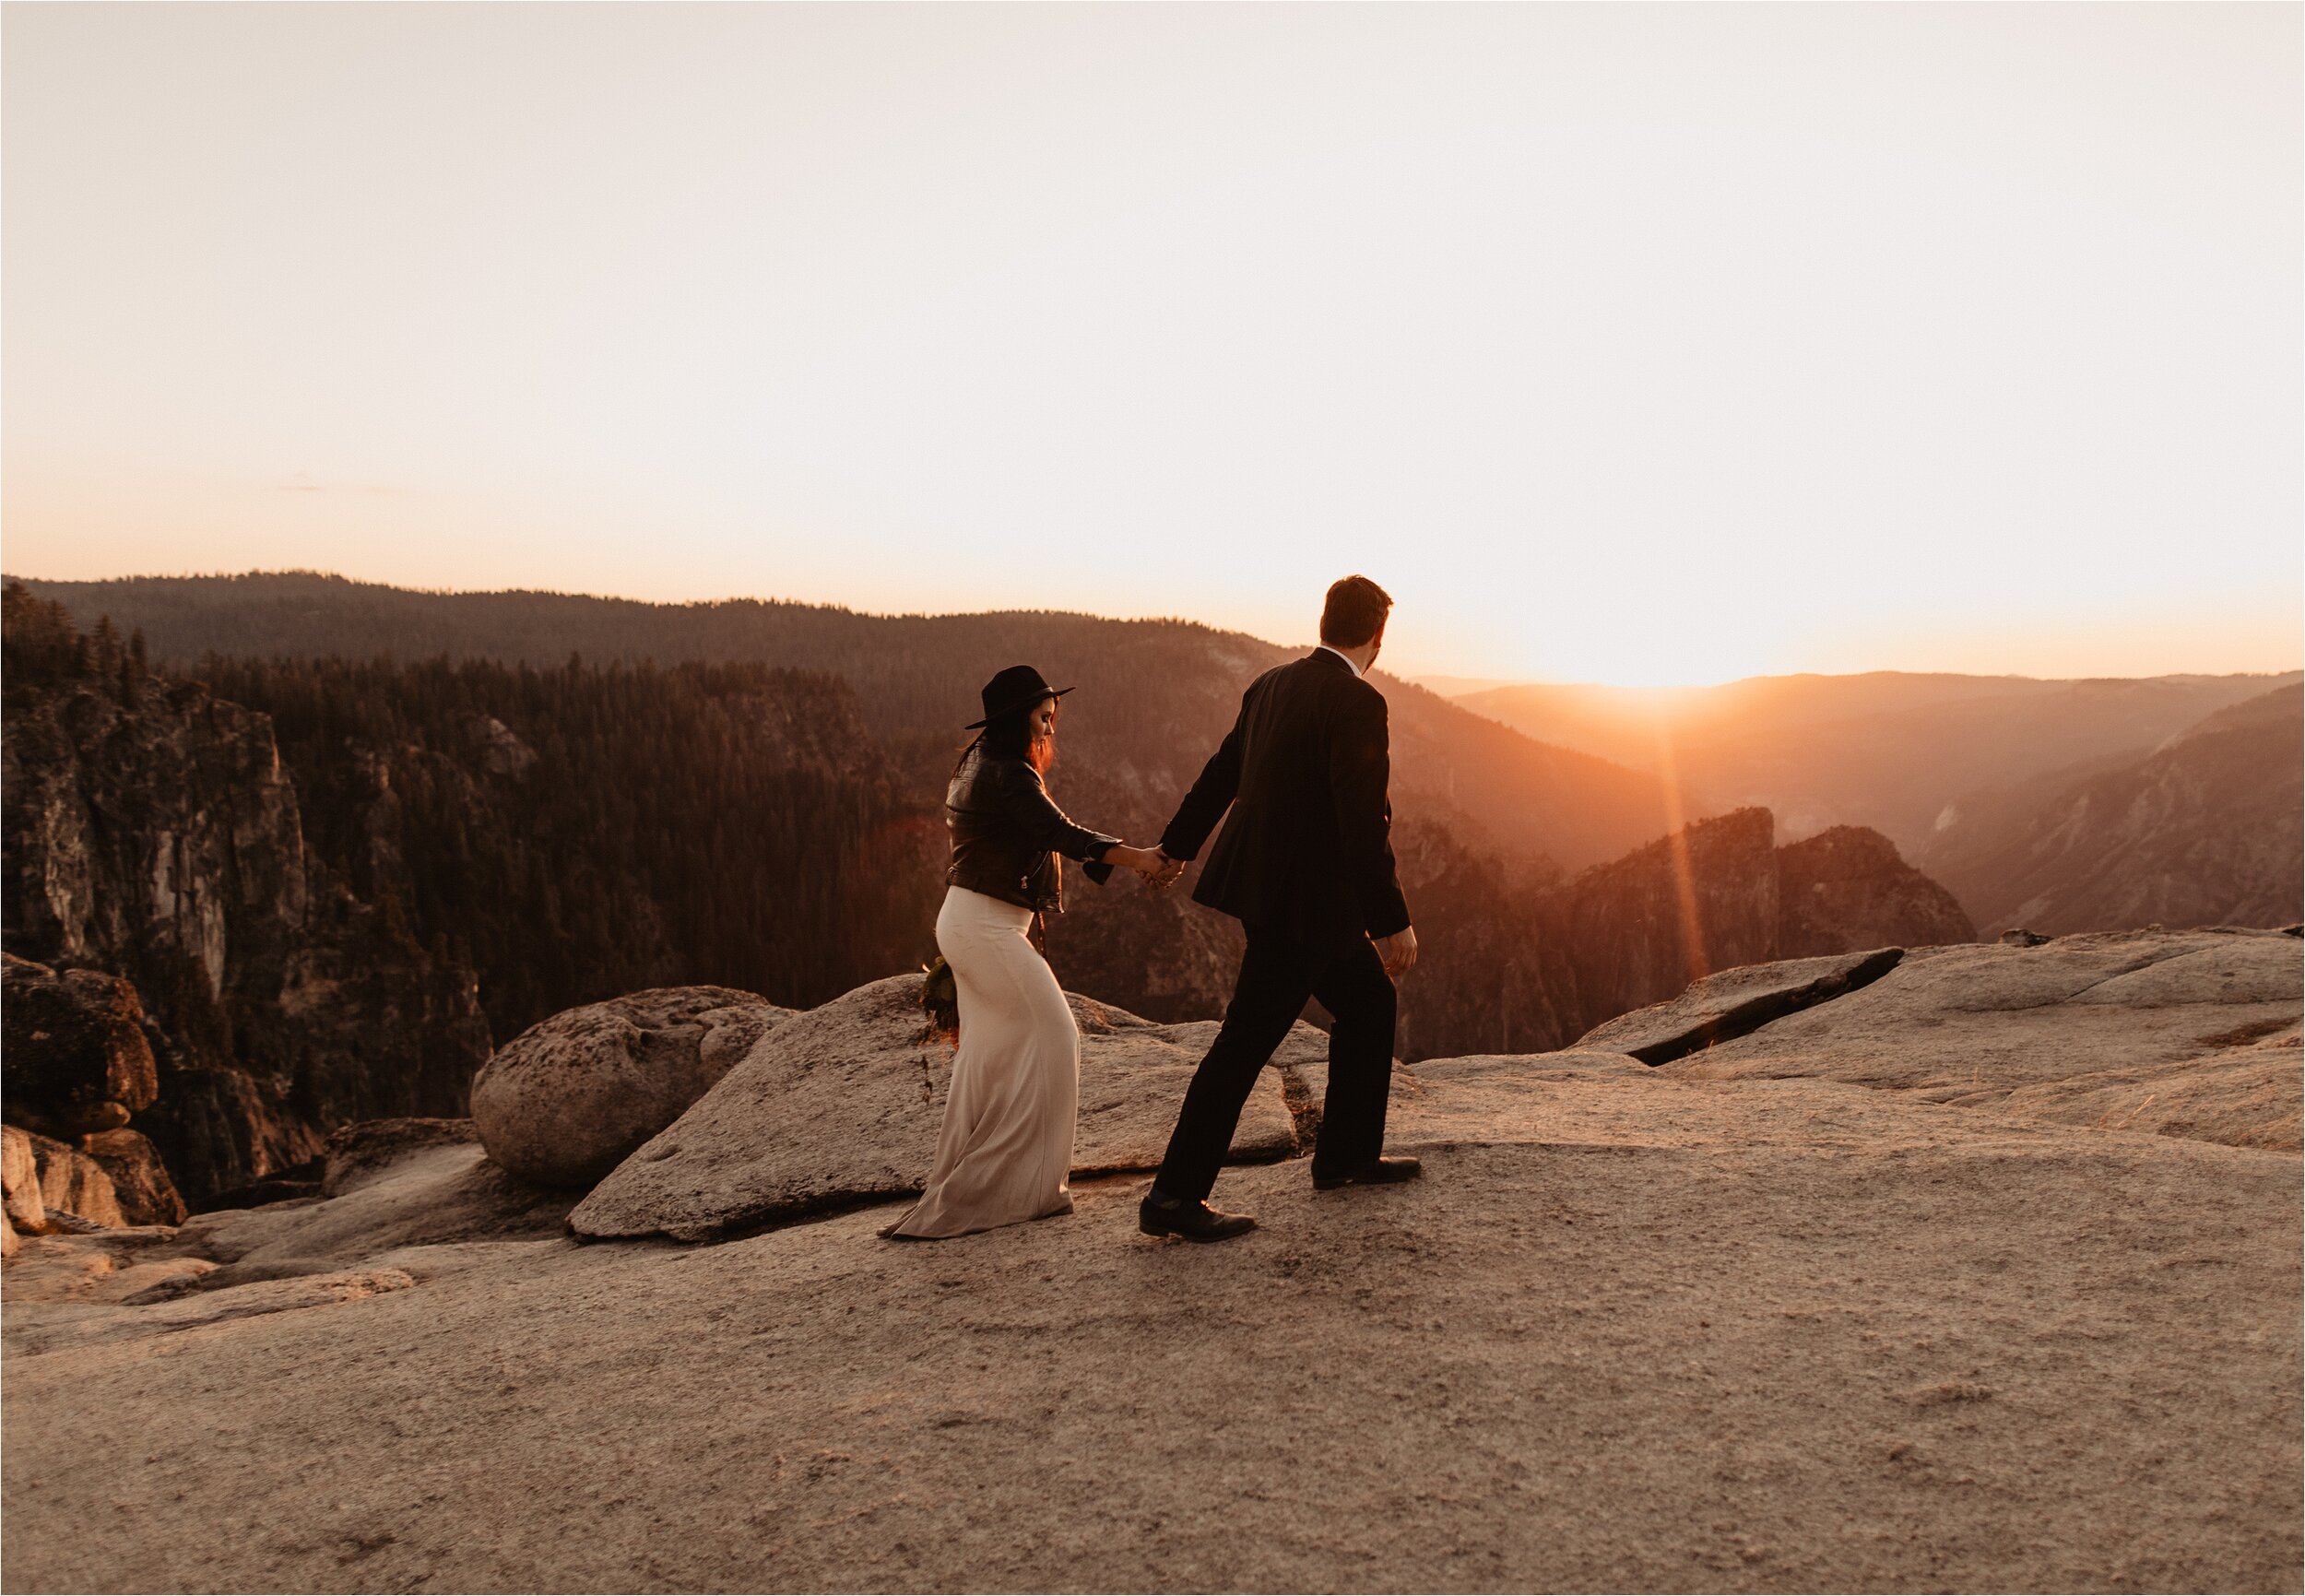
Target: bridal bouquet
[[941, 1001]]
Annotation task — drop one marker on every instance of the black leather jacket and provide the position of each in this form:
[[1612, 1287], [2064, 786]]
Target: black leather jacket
[[1007, 833]]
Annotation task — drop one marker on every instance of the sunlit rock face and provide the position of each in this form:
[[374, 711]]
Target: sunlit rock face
[[72, 1184], [19, 1180], [141, 1184]]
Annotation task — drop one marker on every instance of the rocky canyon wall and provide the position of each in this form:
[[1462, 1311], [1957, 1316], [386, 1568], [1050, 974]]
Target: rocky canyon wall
[[150, 832]]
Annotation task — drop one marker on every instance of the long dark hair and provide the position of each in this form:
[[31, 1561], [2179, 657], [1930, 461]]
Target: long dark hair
[[1005, 737]]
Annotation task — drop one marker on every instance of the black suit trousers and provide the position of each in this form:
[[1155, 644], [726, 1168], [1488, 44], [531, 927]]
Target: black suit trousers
[[1277, 974]]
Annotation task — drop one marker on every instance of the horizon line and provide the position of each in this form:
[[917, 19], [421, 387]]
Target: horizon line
[[1421, 678]]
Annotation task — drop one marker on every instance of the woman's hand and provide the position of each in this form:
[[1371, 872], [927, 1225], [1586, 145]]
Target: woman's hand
[[1146, 862]]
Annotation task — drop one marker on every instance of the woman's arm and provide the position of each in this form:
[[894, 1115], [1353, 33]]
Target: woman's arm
[[1028, 804]]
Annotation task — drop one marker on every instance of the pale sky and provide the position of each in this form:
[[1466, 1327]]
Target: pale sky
[[1622, 343]]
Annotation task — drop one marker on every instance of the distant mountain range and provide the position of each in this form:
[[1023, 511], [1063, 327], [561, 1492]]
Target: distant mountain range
[[2205, 829], [1958, 770]]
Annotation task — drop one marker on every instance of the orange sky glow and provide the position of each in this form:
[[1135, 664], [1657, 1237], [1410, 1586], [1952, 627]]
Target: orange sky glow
[[1633, 344]]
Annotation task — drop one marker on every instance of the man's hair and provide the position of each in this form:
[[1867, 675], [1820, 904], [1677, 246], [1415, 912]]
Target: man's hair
[[1355, 613]]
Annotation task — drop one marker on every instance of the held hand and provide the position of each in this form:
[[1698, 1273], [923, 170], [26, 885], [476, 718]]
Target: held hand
[[1397, 952], [1146, 862], [1170, 870]]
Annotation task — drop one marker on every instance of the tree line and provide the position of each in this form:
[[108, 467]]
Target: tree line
[[578, 831]]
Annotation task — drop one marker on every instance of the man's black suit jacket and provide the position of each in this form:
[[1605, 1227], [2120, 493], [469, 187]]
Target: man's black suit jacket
[[1309, 849]]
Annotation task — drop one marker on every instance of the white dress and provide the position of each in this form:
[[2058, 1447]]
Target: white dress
[[1006, 1149]]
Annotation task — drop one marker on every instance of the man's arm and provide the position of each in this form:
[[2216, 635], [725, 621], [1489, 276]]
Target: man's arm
[[1210, 796], [1360, 769]]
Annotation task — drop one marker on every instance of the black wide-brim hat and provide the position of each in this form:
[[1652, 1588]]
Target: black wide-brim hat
[[1019, 687]]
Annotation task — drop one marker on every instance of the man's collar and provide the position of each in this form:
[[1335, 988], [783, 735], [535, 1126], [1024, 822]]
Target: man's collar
[[1355, 669]]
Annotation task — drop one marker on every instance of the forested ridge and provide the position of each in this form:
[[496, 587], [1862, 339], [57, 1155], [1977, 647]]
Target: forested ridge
[[581, 830], [1154, 696]]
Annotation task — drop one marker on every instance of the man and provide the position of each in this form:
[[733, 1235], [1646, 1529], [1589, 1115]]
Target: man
[[1305, 864]]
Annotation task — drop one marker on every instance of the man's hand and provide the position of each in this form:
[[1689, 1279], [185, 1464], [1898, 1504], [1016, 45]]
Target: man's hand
[[1397, 952], [1168, 872], [1143, 862]]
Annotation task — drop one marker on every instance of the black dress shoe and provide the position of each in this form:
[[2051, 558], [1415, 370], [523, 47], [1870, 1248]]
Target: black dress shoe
[[1383, 1172], [1193, 1221]]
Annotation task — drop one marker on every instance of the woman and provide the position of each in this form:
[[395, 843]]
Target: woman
[[1006, 1149]]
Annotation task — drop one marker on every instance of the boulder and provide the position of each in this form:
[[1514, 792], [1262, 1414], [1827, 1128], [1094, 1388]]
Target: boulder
[[19, 1181], [140, 1180], [1133, 1074], [1735, 1002], [7, 1236], [73, 1054], [569, 1098], [841, 1104], [74, 1184]]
